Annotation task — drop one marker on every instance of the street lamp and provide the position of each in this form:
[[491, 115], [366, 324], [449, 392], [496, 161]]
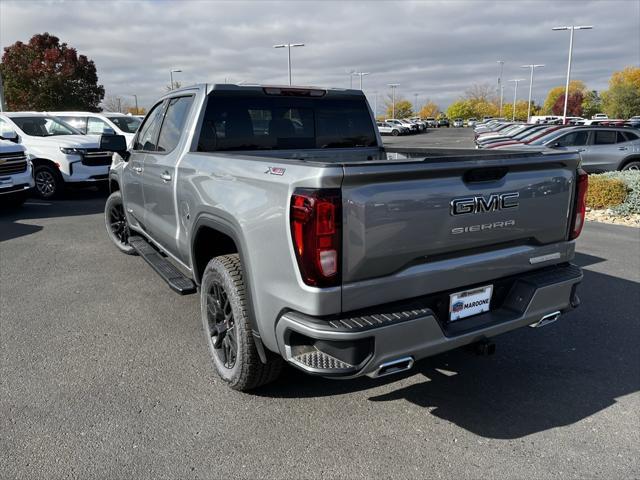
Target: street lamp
[[566, 88], [393, 98], [532, 67], [359, 74], [171, 75], [375, 105], [136, 100], [288, 47], [415, 103], [500, 89], [515, 95]]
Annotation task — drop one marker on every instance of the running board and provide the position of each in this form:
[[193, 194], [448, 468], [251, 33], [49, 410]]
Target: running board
[[177, 281]]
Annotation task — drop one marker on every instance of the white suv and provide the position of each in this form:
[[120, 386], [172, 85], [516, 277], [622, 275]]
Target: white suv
[[91, 123], [16, 175], [60, 154]]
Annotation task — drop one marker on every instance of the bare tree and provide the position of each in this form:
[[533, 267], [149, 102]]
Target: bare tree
[[113, 103], [480, 92]]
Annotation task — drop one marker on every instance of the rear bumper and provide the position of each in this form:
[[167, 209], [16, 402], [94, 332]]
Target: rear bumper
[[359, 344]]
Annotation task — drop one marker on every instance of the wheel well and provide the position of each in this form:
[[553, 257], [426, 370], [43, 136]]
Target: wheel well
[[44, 161], [632, 158], [114, 186], [209, 243]]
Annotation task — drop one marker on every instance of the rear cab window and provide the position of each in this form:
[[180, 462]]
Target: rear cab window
[[251, 121]]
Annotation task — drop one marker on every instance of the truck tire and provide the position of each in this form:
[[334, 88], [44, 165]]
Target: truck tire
[[227, 329], [395, 132], [116, 223], [49, 183]]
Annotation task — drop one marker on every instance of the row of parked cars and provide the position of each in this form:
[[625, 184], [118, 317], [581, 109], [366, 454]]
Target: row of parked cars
[[46, 151], [404, 126], [602, 147]]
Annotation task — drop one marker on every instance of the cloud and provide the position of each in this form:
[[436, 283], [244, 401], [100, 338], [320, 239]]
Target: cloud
[[436, 49]]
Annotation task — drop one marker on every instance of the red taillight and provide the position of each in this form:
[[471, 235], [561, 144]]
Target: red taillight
[[315, 229], [581, 204]]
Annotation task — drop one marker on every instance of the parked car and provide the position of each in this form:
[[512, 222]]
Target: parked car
[[61, 155], [388, 129], [443, 122], [409, 128], [517, 136], [599, 116], [16, 173], [633, 122], [431, 122], [458, 123], [340, 289], [526, 138], [91, 123], [472, 122]]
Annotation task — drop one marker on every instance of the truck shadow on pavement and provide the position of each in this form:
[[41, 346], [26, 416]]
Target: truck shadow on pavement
[[538, 379], [72, 203]]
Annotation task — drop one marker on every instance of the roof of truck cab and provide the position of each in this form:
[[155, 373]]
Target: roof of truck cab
[[260, 88]]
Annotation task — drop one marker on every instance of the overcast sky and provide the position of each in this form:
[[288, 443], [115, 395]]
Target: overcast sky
[[434, 48]]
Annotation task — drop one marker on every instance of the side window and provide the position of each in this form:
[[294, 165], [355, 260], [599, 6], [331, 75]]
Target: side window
[[631, 136], [573, 139], [95, 126], [147, 134], [605, 137], [621, 138], [173, 124]]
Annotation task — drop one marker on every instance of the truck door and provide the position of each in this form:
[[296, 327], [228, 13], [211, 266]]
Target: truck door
[[161, 219], [133, 172]]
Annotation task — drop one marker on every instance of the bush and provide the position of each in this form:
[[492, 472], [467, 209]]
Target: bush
[[631, 201], [605, 192]]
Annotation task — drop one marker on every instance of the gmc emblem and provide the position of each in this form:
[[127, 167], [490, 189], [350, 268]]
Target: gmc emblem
[[481, 204]]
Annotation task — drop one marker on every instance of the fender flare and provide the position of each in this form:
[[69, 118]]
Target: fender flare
[[228, 228]]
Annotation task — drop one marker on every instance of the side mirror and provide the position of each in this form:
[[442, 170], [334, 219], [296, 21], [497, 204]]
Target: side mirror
[[113, 143], [10, 135]]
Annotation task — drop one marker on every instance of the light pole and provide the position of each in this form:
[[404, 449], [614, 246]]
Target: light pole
[[119, 105], [288, 47], [136, 100], [171, 72], [360, 74], [501, 97], [415, 103], [566, 88], [393, 98], [501, 64], [375, 105], [515, 95], [532, 67]]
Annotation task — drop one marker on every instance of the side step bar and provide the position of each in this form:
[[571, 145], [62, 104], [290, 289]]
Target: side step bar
[[177, 281]]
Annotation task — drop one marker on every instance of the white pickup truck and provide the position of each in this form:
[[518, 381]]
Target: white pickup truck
[[60, 154], [16, 175]]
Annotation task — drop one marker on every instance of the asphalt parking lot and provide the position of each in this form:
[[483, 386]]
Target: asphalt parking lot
[[104, 373]]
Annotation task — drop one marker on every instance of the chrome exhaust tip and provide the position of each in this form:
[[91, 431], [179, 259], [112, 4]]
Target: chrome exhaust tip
[[546, 320], [394, 366]]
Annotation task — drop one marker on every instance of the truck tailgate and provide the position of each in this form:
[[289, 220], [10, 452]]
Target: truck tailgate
[[401, 214]]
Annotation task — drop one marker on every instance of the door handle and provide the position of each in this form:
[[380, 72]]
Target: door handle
[[137, 169], [581, 150], [165, 177], [622, 148]]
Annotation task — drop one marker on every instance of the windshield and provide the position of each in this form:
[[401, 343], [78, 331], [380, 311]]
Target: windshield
[[126, 124], [44, 126], [259, 122]]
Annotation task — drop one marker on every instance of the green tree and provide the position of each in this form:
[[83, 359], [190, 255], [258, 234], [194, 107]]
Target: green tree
[[403, 108], [45, 74], [591, 104], [622, 100], [556, 92], [521, 110], [461, 109]]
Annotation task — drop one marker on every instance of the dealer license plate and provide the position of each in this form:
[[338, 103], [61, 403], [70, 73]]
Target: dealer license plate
[[470, 302]]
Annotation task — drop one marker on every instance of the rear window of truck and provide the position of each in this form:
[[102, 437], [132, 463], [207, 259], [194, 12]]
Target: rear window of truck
[[255, 122]]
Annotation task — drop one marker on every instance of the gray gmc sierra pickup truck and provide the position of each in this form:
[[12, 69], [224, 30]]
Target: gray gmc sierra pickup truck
[[310, 243]]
